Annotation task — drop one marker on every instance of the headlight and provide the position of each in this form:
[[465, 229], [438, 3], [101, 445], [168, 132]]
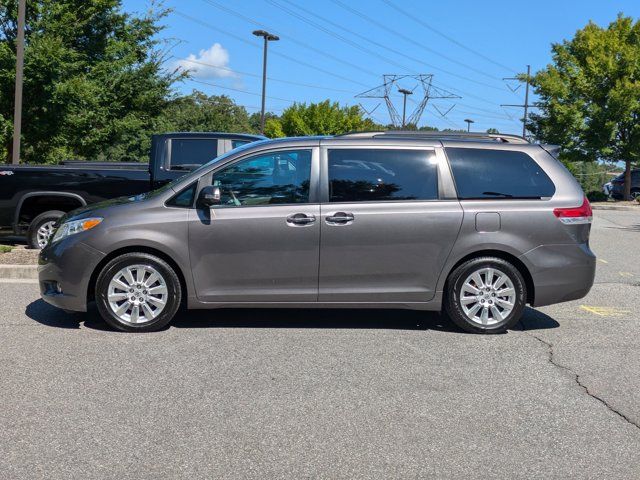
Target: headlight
[[76, 226]]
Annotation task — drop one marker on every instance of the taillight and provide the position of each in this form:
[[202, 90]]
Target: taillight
[[575, 215]]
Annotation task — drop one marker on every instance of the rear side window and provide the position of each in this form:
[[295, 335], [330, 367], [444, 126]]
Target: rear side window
[[189, 153], [374, 175], [495, 174]]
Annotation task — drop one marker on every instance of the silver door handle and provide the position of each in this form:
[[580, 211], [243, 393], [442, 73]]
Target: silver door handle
[[300, 219], [340, 218]]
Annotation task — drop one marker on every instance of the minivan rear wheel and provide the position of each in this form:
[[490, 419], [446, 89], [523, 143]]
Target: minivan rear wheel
[[138, 292], [485, 295]]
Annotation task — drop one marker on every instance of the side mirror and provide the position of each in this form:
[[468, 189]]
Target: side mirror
[[209, 196]]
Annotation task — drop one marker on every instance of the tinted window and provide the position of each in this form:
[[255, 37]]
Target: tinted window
[[239, 143], [277, 178], [369, 175], [495, 174], [192, 152], [184, 198]]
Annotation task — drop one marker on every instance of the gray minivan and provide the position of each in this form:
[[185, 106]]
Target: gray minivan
[[476, 225]]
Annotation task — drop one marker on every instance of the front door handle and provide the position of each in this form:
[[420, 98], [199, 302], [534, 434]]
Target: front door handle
[[300, 219], [340, 218]]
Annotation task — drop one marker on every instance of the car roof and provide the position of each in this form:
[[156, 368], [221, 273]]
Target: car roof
[[367, 139]]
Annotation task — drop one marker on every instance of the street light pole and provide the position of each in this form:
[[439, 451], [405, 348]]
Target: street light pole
[[469, 122], [17, 110], [404, 92], [267, 38]]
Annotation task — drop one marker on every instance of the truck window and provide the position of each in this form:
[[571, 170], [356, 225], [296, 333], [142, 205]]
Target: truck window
[[239, 143], [189, 153]]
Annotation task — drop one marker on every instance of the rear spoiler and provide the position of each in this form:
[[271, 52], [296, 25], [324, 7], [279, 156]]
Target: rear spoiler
[[553, 150]]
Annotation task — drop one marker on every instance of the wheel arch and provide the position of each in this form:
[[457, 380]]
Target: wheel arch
[[135, 249], [32, 196], [515, 261]]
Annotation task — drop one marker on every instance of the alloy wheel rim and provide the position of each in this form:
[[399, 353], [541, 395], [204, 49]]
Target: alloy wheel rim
[[487, 296], [44, 233], [137, 294]]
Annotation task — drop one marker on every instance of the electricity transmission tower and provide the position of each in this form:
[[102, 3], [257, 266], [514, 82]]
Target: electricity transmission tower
[[526, 105], [392, 83]]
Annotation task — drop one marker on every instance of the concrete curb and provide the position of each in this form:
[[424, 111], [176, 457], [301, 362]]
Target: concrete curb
[[19, 272], [616, 207]]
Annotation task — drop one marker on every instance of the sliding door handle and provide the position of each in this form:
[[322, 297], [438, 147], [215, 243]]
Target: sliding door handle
[[340, 218]]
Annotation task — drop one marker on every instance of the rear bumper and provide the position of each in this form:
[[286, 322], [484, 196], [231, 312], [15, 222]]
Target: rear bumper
[[560, 272], [64, 273]]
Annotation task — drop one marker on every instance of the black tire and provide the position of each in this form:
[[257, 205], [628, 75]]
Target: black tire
[[172, 299], [635, 193], [39, 221], [453, 306]]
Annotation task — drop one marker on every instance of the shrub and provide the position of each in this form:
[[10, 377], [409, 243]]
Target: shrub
[[596, 196]]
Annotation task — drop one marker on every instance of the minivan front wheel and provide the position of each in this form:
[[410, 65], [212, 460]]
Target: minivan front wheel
[[137, 292], [485, 295]]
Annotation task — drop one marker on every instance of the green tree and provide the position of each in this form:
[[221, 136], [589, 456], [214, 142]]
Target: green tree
[[493, 130], [273, 128], [590, 95], [324, 118], [94, 86], [201, 113], [254, 120]]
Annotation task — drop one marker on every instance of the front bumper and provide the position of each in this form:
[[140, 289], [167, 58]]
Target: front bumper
[[560, 272], [64, 273]]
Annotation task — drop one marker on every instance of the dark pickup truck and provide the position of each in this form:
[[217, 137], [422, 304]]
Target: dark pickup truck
[[34, 197]]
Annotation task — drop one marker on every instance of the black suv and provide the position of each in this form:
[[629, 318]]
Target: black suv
[[617, 185]]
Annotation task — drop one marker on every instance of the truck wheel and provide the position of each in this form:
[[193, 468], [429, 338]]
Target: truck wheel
[[138, 292], [42, 228], [635, 193], [485, 295]]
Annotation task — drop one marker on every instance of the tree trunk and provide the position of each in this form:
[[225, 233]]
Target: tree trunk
[[627, 179]]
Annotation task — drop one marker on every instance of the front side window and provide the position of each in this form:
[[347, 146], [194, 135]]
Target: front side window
[[275, 178], [498, 174], [374, 175], [184, 198], [189, 153]]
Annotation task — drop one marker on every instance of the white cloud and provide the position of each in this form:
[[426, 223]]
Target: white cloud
[[211, 63]]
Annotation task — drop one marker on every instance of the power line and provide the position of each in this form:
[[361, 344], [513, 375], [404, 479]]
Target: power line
[[380, 45], [242, 91], [316, 68], [409, 39], [279, 54], [419, 21], [526, 105], [371, 41], [231, 70], [337, 35], [397, 52], [291, 39]]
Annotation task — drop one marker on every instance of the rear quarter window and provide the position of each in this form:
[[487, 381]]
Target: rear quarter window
[[498, 174]]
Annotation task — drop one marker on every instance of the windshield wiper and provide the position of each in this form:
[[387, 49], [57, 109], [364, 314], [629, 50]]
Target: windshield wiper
[[498, 194]]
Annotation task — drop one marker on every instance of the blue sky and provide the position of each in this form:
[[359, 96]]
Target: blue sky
[[338, 53]]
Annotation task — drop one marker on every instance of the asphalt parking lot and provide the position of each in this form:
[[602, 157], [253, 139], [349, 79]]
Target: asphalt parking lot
[[330, 394]]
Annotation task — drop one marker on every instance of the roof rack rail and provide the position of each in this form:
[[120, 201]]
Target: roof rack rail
[[493, 137]]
